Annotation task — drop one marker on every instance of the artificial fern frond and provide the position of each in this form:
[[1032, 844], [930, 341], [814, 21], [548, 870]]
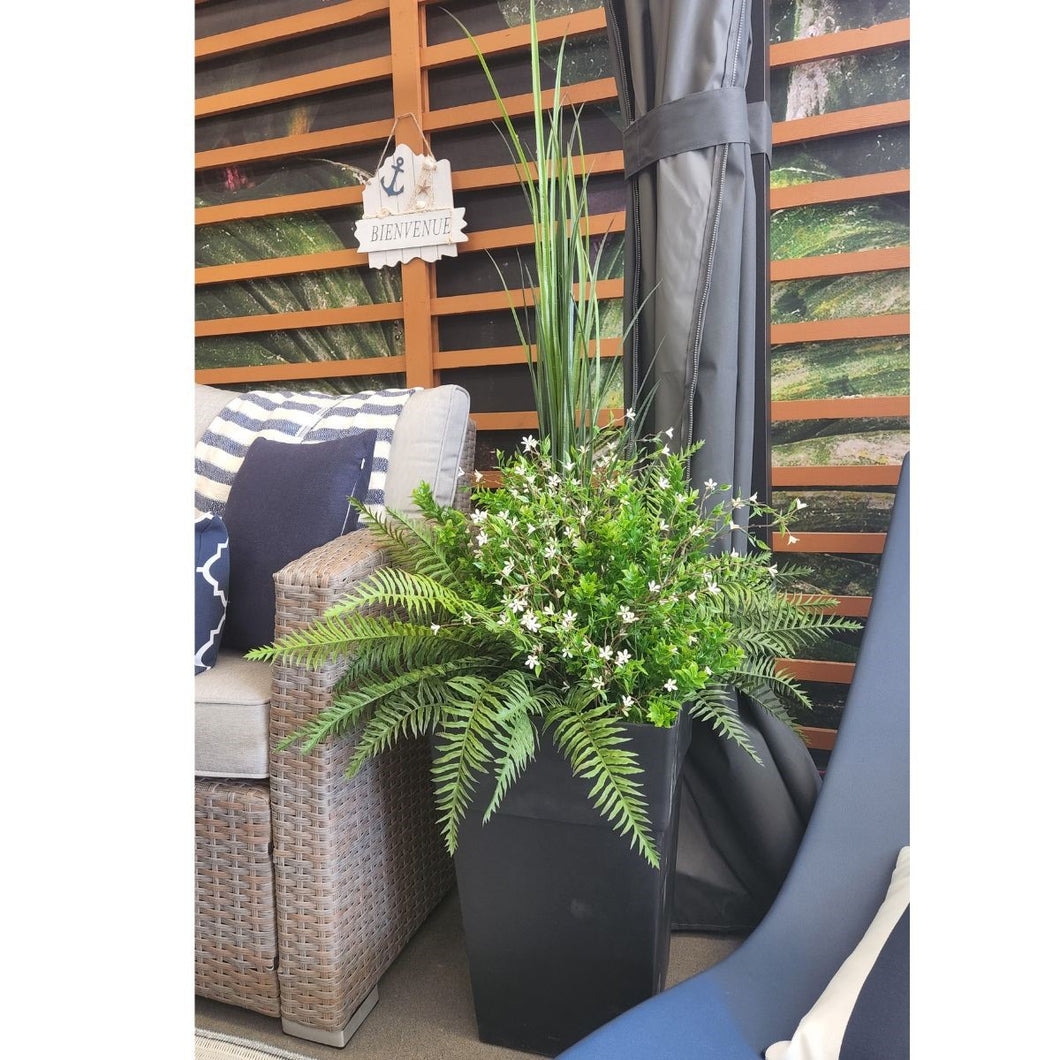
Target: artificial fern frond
[[467, 735], [592, 743], [517, 742], [349, 707], [412, 545], [419, 596], [717, 705]]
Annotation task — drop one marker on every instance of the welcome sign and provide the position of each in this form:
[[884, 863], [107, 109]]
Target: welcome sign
[[408, 211]]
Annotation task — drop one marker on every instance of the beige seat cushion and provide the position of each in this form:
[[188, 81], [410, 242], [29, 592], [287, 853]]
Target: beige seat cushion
[[232, 718]]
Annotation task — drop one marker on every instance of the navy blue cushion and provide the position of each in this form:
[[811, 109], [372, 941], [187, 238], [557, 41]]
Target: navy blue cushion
[[211, 587], [286, 499], [878, 1028]]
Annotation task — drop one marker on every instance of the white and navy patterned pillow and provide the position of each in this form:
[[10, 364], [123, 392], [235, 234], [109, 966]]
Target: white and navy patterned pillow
[[211, 587]]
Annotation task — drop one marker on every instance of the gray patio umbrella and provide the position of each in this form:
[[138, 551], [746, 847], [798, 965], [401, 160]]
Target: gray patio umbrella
[[700, 281]]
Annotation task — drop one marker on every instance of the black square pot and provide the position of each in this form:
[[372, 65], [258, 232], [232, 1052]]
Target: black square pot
[[566, 926]]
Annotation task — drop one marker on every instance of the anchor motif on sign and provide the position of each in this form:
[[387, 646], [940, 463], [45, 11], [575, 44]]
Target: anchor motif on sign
[[398, 165]]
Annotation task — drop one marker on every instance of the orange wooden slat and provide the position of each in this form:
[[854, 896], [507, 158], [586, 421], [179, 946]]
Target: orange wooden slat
[[513, 39], [489, 300], [839, 408], [838, 122], [838, 475], [252, 270], [836, 673], [843, 42], [293, 87], [814, 192], [502, 176], [285, 28], [839, 264], [849, 606], [312, 318], [527, 421], [278, 205], [818, 739], [510, 355], [520, 235], [856, 544], [840, 328], [269, 373], [488, 110], [464, 180], [298, 144]]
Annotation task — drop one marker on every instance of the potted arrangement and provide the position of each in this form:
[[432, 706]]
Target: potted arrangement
[[555, 644]]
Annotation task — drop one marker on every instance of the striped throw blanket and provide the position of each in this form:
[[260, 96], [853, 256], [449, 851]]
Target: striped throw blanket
[[286, 415]]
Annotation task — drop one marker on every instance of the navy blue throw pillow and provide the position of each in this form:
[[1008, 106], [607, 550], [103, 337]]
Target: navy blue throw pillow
[[286, 499], [211, 587]]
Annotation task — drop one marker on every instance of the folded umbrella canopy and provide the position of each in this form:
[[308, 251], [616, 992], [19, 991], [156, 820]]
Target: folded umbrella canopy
[[696, 268]]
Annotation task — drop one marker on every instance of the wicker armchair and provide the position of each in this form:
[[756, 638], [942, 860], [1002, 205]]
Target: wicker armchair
[[307, 884]]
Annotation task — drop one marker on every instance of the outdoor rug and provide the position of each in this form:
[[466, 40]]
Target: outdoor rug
[[210, 1045]]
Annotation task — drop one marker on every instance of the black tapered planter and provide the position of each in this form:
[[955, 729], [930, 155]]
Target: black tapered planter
[[566, 926]]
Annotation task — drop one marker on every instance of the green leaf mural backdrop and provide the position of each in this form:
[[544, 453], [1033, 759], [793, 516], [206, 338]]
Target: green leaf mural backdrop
[[843, 368]]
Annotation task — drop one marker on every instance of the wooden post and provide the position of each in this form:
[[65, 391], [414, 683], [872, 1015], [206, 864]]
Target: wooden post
[[407, 37]]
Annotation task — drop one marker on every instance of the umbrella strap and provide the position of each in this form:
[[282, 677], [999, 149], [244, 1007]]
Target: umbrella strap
[[694, 122]]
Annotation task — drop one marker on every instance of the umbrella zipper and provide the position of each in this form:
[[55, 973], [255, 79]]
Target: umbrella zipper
[[702, 320]]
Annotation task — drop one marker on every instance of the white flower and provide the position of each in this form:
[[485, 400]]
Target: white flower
[[566, 653], [799, 504], [792, 539], [664, 482], [598, 684], [713, 589], [532, 660], [773, 570], [467, 619], [622, 657], [630, 415], [669, 432], [479, 476], [606, 652], [482, 538], [692, 596], [627, 702], [568, 465], [710, 485], [734, 554], [733, 526], [567, 620], [515, 603], [554, 482], [551, 551], [673, 649], [707, 670], [548, 609], [737, 503], [666, 450], [460, 472], [571, 531], [664, 525], [508, 568], [671, 685], [626, 615], [529, 443], [531, 529], [654, 587], [478, 516], [435, 627], [692, 638], [529, 620], [698, 530]]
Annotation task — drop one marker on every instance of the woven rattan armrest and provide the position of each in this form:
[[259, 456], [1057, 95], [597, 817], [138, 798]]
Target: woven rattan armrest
[[358, 863]]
